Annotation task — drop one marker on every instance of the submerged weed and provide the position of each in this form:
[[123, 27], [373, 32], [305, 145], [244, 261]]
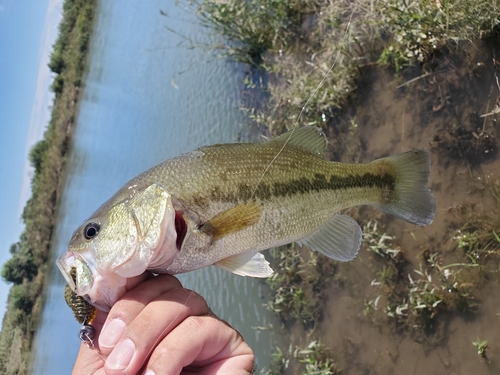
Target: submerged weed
[[297, 285], [416, 298], [481, 346], [423, 302], [478, 236], [472, 139], [315, 359], [379, 242]]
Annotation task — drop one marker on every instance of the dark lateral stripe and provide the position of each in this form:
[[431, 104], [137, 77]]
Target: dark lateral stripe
[[320, 183], [304, 185]]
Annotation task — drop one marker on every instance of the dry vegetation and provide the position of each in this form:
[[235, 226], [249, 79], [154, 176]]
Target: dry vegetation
[[313, 52]]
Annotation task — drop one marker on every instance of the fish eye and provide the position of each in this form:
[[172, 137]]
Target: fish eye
[[91, 230]]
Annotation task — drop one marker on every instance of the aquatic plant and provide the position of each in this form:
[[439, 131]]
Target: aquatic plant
[[416, 298], [379, 242], [457, 281], [472, 139], [296, 286], [421, 301], [481, 346], [478, 237], [315, 359]]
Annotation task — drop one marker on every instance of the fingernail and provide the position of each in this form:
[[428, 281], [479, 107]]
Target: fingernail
[[111, 333], [150, 372], [121, 355]]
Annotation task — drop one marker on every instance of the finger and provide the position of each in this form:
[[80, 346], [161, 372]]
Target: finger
[[150, 326], [134, 281], [202, 343], [90, 360], [128, 307], [87, 362], [100, 319]]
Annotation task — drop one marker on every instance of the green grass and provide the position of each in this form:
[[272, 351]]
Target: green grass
[[417, 29]]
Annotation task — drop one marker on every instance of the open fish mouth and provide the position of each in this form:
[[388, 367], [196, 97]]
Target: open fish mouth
[[89, 283], [85, 270], [83, 311], [63, 263]]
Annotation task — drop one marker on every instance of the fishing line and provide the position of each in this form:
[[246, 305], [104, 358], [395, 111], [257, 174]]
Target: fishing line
[[304, 107], [178, 314], [87, 336], [296, 125]]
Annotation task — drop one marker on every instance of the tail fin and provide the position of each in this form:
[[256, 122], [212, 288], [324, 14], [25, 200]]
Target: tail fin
[[411, 199]]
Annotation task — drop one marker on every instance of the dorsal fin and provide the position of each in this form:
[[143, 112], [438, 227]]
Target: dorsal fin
[[310, 138], [232, 220]]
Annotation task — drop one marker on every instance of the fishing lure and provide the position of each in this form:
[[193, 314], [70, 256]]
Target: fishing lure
[[84, 313]]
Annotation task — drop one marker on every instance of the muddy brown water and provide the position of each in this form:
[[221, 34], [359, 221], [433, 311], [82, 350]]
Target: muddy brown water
[[439, 111]]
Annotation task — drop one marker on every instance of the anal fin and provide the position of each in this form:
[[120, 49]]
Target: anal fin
[[246, 264], [232, 220], [339, 238]]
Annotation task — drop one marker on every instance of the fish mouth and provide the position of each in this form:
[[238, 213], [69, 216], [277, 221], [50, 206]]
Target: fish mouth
[[180, 229], [67, 265], [101, 292], [65, 262], [85, 272]]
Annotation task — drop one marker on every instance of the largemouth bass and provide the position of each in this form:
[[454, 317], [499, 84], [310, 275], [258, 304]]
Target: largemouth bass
[[223, 204]]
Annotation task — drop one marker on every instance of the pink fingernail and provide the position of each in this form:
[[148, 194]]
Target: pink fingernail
[[111, 333], [150, 372], [122, 354]]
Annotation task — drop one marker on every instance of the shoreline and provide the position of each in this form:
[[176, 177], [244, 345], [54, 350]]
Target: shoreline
[[27, 269]]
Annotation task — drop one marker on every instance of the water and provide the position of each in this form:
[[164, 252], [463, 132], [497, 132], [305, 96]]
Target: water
[[146, 99]]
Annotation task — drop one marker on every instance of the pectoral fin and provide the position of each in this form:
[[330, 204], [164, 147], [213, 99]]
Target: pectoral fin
[[232, 220], [247, 264], [339, 238]]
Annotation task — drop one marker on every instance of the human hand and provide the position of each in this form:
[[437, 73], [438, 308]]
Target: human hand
[[160, 328]]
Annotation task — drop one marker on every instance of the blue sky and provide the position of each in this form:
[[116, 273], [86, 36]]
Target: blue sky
[[28, 29]]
